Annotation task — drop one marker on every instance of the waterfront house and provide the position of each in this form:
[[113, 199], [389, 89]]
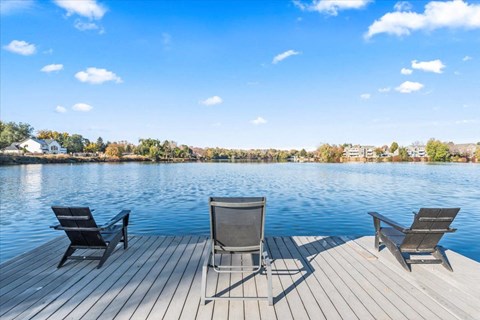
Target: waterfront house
[[416, 151], [358, 151], [49, 146], [13, 149]]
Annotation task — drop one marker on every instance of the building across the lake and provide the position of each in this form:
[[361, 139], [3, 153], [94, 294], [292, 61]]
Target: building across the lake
[[417, 151], [33, 145]]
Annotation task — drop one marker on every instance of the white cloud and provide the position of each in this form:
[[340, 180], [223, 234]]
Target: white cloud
[[212, 101], [284, 55], [435, 66], [365, 96], [409, 86], [85, 8], [331, 7], [438, 14], [97, 76], [383, 90], [52, 67], [82, 107], [258, 121], [86, 26], [467, 58], [12, 6], [60, 109], [402, 6], [406, 71], [21, 47]]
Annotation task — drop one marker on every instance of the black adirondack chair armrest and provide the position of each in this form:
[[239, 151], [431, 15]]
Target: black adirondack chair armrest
[[55, 226], [388, 221], [122, 215]]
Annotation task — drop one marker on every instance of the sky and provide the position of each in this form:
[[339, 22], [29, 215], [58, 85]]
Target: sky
[[244, 74]]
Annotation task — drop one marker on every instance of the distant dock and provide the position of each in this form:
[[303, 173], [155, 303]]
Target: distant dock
[[314, 278]]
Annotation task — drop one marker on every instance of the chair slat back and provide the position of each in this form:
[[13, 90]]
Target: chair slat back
[[237, 223], [434, 220], [79, 217]]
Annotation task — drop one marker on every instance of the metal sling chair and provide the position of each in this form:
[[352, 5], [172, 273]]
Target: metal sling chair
[[83, 232], [428, 227], [237, 227]]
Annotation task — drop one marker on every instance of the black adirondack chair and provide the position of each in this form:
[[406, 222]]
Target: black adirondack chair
[[83, 232], [237, 227], [428, 227]]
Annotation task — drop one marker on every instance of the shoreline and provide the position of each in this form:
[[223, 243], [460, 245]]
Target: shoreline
[[11, 160]]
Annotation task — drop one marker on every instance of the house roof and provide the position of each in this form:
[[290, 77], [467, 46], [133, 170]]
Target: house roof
[[40, 141], [13, 146]]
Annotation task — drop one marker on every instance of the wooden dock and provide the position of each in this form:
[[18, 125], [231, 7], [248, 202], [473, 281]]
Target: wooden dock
[[314, 278]]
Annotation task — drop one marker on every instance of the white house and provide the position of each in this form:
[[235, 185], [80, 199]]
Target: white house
[[34, 145]]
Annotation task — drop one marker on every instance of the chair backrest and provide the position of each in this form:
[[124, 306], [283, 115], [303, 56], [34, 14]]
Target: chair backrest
[[428, 227], [237, 224], [77, 219]]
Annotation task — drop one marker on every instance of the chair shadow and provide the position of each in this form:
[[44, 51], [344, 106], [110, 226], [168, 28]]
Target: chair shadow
[[283, 249]]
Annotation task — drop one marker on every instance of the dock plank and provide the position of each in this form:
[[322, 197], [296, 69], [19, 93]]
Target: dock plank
[[159, 277]]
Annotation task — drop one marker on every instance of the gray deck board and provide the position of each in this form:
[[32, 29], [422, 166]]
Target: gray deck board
[[313, 278]]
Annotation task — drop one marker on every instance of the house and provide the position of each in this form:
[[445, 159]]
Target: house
[[360, 152], [12, 149], [34, 145], [416, 151]]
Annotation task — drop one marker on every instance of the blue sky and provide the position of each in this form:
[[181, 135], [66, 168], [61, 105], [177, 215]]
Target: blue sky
[[244, 74]]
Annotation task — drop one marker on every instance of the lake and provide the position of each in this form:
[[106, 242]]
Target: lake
[[302, 198]]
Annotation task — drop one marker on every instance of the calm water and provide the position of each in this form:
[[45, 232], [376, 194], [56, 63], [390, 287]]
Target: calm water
[[302, 199]]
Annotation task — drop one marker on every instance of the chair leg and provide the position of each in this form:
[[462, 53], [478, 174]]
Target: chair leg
[[125, 238], [268, 266], [377, 242], [203, 293], [108, 251], [376, 224], [400, 258], [439, 253], [397, 254], [67, 254]]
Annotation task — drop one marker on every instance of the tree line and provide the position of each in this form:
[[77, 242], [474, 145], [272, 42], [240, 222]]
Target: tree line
[[158, 150]]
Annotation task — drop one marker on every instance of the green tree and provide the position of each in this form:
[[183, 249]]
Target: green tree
[[11, 132], [437, 150], [74, 143], [477, 154], [403, 154], [303, 153], [100, 145], [393, 147]]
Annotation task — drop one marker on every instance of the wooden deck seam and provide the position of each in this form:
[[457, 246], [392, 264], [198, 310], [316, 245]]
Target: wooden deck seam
[[314, 277], [407, 296]]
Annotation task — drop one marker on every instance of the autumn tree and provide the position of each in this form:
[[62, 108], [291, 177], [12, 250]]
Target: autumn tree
[[114, 150], [91, 147], [328, 153]]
